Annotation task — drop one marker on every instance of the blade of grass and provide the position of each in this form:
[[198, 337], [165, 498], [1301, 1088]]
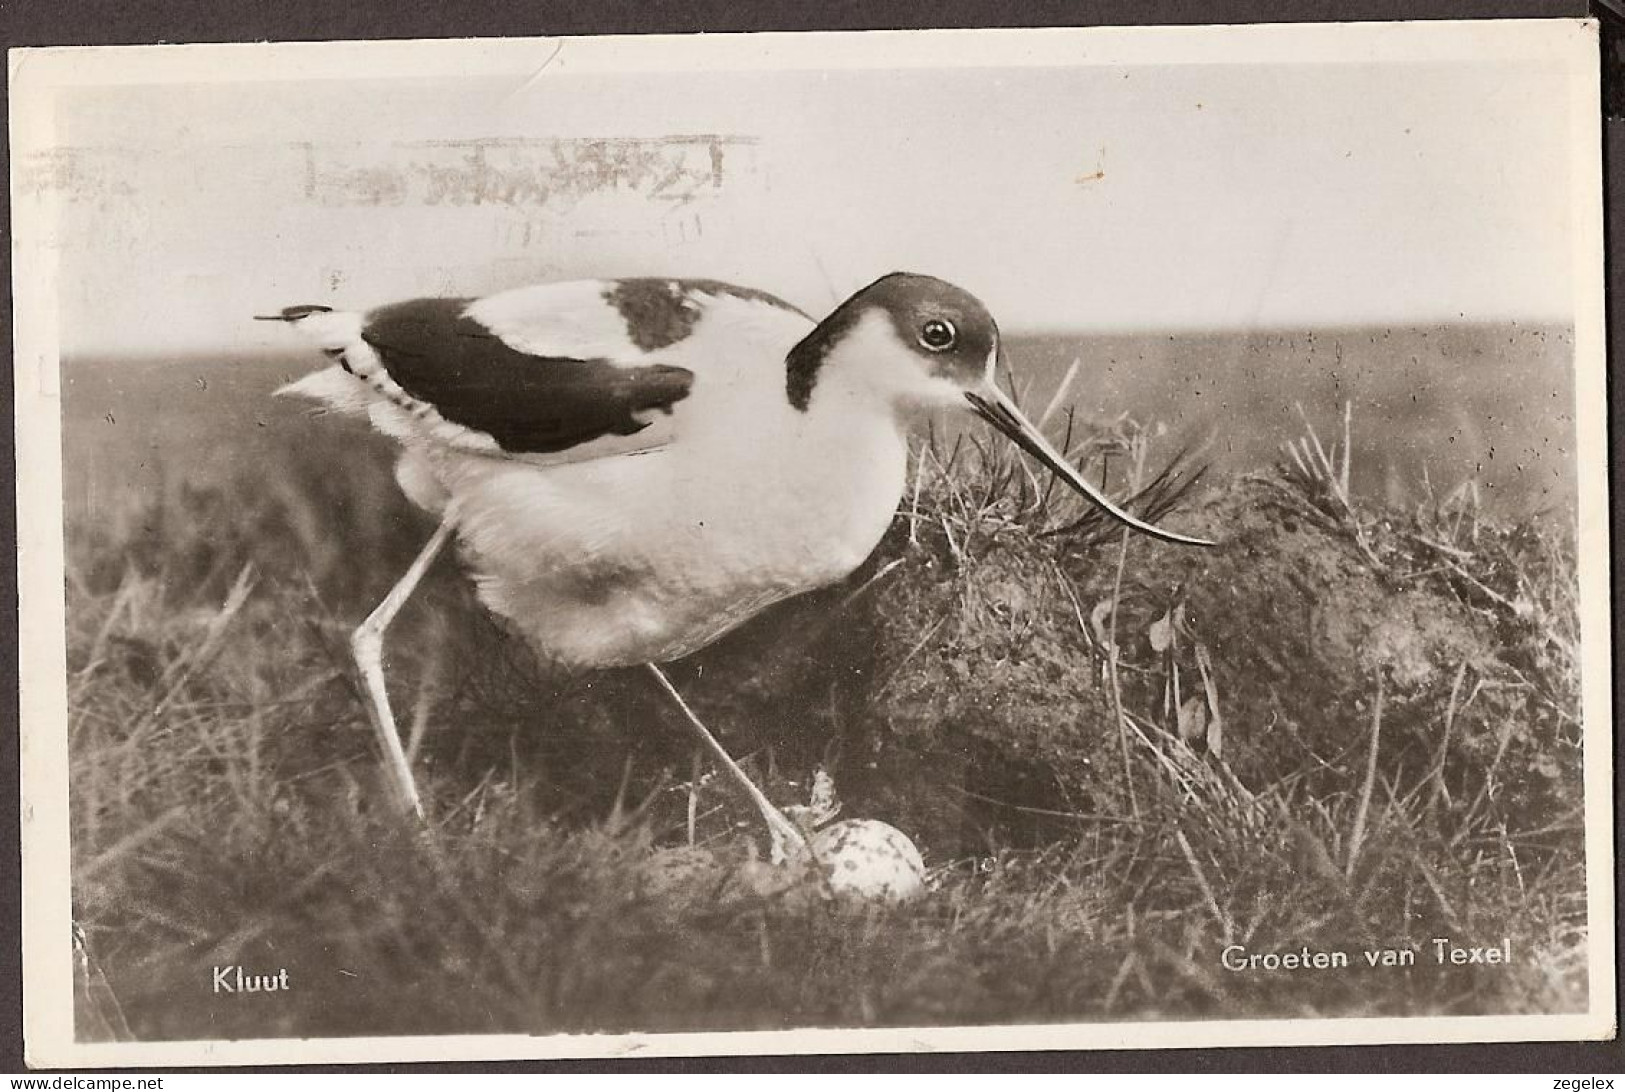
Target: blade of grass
[[1357, 832], [1117, 686], [1061, 393], [1219, 916]]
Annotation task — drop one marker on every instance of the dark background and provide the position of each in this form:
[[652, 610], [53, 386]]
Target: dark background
[[109, 22]]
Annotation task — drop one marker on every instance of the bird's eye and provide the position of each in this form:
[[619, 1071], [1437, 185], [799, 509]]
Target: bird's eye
[[938, 335]]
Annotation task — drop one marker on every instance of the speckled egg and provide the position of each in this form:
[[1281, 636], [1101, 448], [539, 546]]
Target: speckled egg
[[866, 858]]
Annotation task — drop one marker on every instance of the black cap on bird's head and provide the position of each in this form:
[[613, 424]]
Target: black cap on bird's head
[[949, 330], [909, 338], [913, 338]]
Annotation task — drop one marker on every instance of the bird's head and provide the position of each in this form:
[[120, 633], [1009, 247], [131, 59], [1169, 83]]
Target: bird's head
[[911, 340], [905, 340]]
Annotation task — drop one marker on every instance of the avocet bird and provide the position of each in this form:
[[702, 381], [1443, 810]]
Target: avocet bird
[[635, 467]]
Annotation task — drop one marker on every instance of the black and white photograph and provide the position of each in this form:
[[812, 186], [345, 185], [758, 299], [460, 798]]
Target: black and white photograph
[[813, 542]]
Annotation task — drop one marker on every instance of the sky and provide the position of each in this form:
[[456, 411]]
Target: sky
[[1086, 196]]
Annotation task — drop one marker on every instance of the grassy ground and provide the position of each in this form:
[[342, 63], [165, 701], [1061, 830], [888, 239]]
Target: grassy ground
[[1346, 728]]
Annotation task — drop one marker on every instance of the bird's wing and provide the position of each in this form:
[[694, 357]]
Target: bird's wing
[[549, 373], [530, 393]]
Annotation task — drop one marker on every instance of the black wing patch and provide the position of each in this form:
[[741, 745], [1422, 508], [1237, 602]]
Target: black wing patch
[[661, 312], [527, 403]]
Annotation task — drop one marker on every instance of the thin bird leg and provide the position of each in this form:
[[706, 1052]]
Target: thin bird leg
[[367, 643], [787, 839]]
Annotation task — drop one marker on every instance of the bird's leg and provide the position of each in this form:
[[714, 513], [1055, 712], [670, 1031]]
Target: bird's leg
[[367, 643], [788, 842]]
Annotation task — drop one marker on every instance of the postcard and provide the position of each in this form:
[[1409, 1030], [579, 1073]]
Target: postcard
[[830, 542]]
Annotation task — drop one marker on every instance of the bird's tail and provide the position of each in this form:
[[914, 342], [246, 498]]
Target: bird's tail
[[336, 333], [296, 312]]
